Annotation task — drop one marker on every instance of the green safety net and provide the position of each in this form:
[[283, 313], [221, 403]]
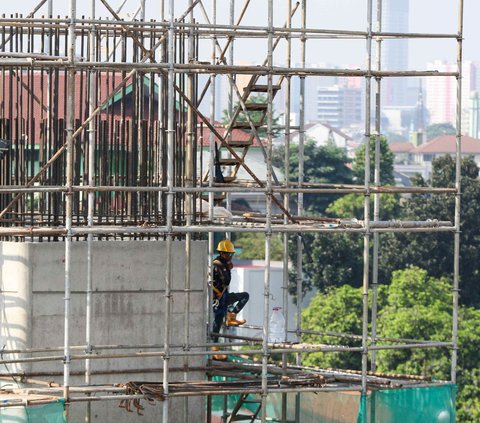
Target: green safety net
[[49, 413], [434, 404], [429, 404]]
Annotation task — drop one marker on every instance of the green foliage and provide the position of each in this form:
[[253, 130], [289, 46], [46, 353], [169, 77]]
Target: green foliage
[[323, 315], [336, 259], [468, 408], [352, 206], [322, 164], [255, 116], [321, 265], [418, 307], [439, 129], [386, 162], [253, 246], [435, 251], [414, 306]]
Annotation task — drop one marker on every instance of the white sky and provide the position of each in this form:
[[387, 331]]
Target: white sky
[[440, 16]]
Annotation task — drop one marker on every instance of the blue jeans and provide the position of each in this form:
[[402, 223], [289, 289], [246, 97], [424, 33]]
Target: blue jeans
[[235, 301]]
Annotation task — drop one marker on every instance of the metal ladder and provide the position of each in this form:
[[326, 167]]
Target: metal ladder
[[244, 399], [243, 118]]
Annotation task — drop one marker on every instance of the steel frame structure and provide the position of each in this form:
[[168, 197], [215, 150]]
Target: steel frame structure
[[164, 184]]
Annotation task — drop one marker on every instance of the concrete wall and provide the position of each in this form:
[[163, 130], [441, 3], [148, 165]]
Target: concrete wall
[[128, 309]]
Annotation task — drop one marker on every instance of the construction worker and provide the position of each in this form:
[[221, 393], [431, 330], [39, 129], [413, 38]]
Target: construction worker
[[225, 303]]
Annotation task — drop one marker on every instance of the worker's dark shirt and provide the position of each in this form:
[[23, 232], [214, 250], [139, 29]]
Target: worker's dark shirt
[[221, 276]]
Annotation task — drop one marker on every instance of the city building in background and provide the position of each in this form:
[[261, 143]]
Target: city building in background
[[473, 129], [395, 52], [339, 106], [441, 92]]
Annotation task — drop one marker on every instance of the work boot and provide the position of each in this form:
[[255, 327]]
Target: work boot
[[232, 320], [220, 357]]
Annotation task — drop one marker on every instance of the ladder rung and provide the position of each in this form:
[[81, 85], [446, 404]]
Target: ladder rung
[[253, 401], [239, 417], [262, 88], [217, 196], [240, 143], [229, 179], [256, 106], [228, 162], [246, 125]]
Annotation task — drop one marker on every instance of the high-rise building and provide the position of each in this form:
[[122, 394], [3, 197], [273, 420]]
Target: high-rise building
[[474, 129], [310, 100], [441, 92], [395, 52], [339, 106]]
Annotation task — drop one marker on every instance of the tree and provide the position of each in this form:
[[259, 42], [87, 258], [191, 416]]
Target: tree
[[414, 305], [418, 306], [322, 164], [255, 116], [253, 246], [323, 315], [352, 206], [439, 129], [329, 260], [435, 251], [336, 259], [386, 163]]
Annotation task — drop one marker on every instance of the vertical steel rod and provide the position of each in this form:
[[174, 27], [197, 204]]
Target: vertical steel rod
[[300, 210], [458, 175], [190, 138], [377, 177], [366, 237], [170, 197], [69, 202], [286, 198], [91, 210], [268, 225]]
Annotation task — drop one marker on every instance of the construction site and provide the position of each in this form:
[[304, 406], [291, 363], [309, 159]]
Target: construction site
[[116, 184]]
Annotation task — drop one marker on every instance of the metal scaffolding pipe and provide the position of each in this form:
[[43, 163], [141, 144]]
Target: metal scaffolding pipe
[[168, 54], [69, 203], [91, 211], [170, 194], [458, 179], [377, 178], [230, 188], [366, 208]]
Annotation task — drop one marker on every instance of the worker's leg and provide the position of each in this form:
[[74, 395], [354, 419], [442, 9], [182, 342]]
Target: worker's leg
[[237, 300], [217, 325]]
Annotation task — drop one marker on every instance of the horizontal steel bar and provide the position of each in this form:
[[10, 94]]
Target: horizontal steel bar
[[233, 189]]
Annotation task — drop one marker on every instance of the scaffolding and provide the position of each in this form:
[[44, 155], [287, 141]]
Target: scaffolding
[[104, 123]]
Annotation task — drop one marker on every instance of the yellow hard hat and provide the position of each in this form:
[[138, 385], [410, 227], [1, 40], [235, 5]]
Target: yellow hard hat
[[226, 246]]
